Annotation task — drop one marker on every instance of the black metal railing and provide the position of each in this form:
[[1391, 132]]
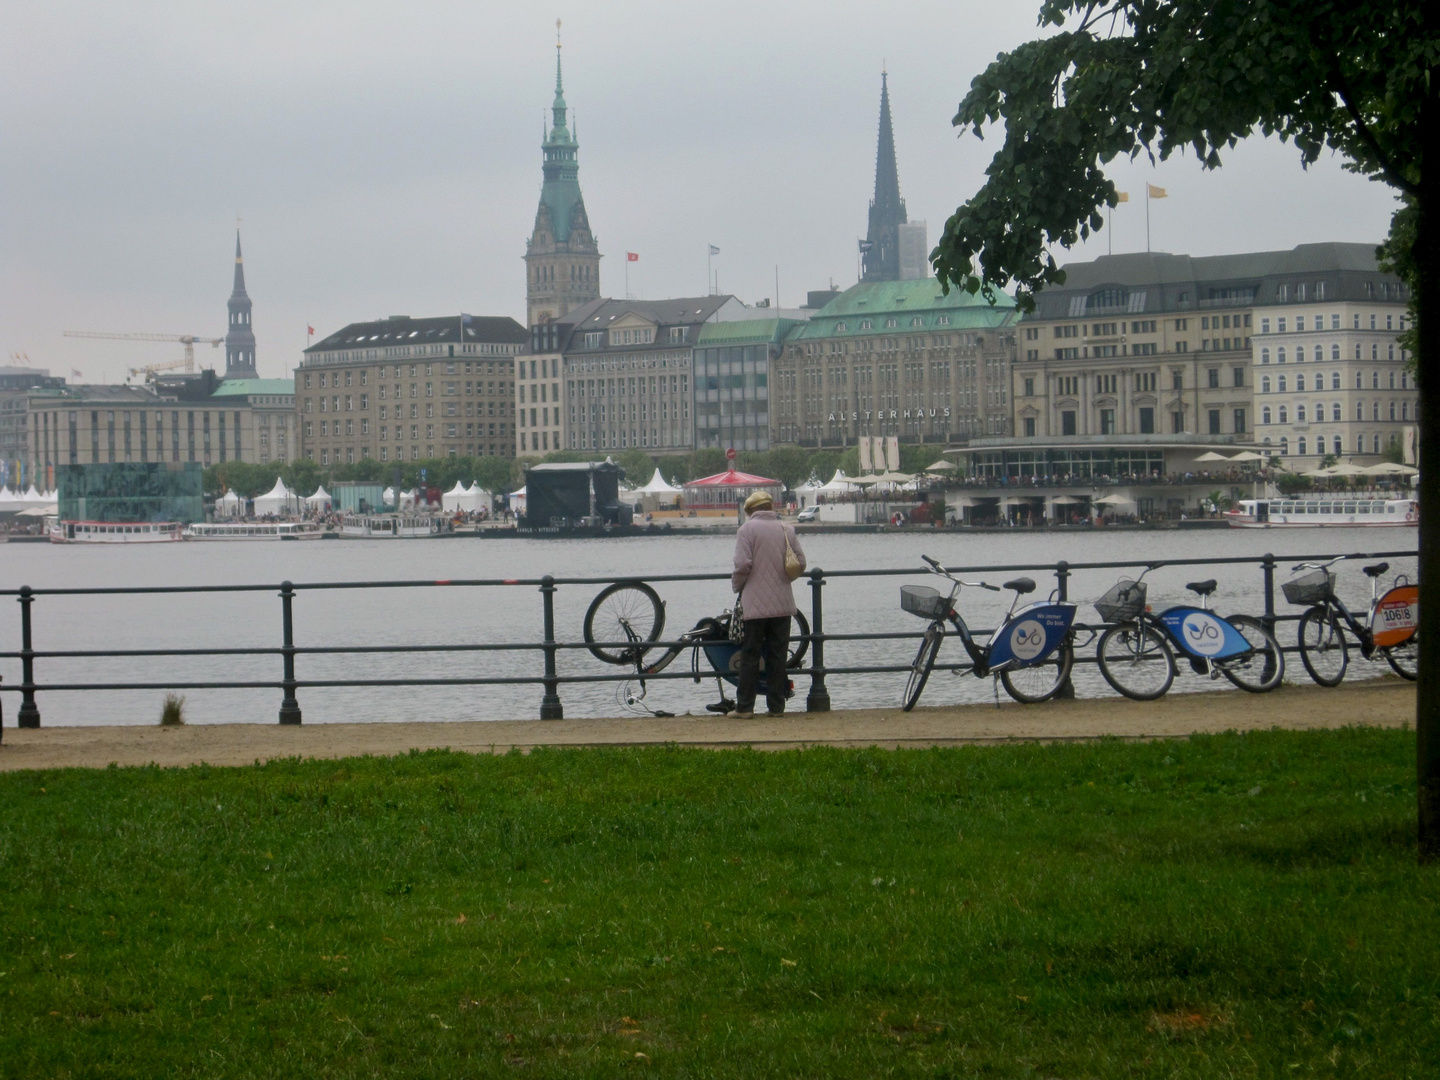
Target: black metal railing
[[549, 676]]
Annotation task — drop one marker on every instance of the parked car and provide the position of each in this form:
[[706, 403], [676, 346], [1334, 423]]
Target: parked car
[[810, 513]]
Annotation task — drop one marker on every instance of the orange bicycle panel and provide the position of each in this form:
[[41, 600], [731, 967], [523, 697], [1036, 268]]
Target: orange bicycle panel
[[1396, 616]]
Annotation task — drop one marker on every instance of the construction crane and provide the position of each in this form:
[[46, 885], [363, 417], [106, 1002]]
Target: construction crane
[[150, 370], [188, 340]]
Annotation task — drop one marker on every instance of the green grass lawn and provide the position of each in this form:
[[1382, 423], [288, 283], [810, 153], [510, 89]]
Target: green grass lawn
[[1228, 906]]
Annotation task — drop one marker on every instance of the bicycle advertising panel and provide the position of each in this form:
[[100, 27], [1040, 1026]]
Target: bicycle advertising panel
[[1030, 635], [1203, 634], [1396, 616]]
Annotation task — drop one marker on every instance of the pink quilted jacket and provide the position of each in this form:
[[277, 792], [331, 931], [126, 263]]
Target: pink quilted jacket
[[760, 566]]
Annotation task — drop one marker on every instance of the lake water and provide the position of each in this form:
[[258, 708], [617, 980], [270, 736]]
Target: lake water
[[456, 615]]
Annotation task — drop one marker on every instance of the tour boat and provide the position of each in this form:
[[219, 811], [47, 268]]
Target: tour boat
[[254, 530], [117, 532], [387, 526], [1310, 513]]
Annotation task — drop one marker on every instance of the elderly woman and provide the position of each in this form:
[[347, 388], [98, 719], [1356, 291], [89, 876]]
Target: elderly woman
[[767, 603]]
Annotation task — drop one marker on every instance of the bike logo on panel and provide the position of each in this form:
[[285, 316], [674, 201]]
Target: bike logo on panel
[[1027, 640], [1203, 633], [1396, 616]]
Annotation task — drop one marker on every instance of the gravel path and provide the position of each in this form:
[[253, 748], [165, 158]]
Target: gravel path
[[1386, 702]]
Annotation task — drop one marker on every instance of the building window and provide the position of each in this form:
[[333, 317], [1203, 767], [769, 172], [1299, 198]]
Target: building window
[[1107, 421], [1265, 415], [1177, 423], [1239, 421], [1300, 447], [1029, 423], [1213, 374], [1067, 422], [1147, 421], [1239, 373]]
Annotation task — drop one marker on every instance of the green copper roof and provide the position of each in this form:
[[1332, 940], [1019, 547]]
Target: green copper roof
[[746, 332], [247, 387], [561, 190], [876, 303]]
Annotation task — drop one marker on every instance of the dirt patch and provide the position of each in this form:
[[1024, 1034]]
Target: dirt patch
[[1384, 702]]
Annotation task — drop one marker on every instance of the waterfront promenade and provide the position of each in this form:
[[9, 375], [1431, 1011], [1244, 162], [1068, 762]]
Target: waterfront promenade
[[1385, 702]]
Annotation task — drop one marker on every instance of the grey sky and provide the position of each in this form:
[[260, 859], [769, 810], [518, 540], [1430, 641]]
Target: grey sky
[[385, 157]]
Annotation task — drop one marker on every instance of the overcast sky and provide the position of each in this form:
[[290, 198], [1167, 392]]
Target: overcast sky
[[385, 158]]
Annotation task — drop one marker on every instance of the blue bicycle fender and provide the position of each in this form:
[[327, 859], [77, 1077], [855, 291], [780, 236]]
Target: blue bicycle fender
[[1203, 634], [1030, 635]]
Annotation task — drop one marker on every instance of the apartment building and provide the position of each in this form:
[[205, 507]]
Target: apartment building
[[406, 389]]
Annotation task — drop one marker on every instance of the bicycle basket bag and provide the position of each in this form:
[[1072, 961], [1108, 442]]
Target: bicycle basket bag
[[1125, 600], [1311, 588], [924, 601]]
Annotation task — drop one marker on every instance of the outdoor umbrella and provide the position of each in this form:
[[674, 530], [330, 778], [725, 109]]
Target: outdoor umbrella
[[941, 466], [1345, 468], [1389, 468], [1065, 500], [1211, 455], [1248, 455], [1113, 500]]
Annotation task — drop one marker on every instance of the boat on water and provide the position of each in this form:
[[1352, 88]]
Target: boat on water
[[388, 526], [1312, 513], [254, 530], [117, 532]]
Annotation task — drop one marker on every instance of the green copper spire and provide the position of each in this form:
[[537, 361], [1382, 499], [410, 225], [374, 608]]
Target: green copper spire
[[561, 192]]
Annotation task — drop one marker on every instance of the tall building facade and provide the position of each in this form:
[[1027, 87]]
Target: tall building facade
[[629, 372], [239, 338], [404, 389], [897, 358], [1295, 349], [562, 257]]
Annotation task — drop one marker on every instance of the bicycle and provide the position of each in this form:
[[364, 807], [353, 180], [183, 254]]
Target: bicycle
[[1031, 651], [624, 623], [1392, 630], [1136, 656]]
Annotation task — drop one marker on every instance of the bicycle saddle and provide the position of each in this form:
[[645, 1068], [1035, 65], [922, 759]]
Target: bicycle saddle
[[1021, 585], [1376, 570], [1203, 588]]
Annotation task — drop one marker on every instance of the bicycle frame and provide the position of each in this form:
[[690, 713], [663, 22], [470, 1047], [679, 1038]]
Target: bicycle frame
[[1021, 644], [1332, 604]]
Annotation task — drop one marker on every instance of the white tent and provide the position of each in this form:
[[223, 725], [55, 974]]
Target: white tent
[[658, 486], [407, 500], [839, 484], [461, 498], [388, 496], [321, 500], [517, 501], [229, 505], [278, 500], [9, 501]]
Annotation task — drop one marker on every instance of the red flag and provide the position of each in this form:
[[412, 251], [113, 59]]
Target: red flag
[[631, 256], [311, 329]]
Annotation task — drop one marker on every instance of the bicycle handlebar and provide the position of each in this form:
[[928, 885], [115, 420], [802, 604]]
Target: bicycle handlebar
[[1317, 565], [936, 568]]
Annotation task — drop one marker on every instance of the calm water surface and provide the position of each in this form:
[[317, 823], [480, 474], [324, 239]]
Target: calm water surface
[[448, 616]]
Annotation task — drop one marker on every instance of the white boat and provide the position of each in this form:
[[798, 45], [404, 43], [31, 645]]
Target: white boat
[[117, 532], [388, 526], [254, 530], [1311, 513]]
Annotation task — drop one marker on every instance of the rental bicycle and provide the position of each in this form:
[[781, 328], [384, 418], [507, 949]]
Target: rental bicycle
[[1031, 651], [623, 626], [1391, 628], [1136, 655]]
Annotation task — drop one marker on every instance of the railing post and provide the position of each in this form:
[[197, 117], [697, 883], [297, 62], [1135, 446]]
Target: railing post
[[1269, 566], [29, 714], [818, 700], [1062, 578], [289, 707], [550, 707]]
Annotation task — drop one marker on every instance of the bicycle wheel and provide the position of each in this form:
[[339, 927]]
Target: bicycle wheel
[[1260, 670], [799, 642], [924, 661], [1041, 681], [1136, 661], [625, 611], [1405, 657], [1322, 646]]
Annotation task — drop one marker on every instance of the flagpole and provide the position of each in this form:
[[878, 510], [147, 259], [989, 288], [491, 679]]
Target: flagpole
[[709, 257], [1147, 217]]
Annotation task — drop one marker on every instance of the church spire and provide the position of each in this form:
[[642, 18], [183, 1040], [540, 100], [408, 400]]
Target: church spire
[[562, 258], [887, 208], [239, 338]]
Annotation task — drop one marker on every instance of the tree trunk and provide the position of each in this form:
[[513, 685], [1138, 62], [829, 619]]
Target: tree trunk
[[1427, 705]]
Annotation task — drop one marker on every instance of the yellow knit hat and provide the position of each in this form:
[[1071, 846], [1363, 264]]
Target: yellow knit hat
[[759, 500]]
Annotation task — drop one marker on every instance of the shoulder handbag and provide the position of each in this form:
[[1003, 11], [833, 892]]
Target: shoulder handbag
[[793, 568]]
